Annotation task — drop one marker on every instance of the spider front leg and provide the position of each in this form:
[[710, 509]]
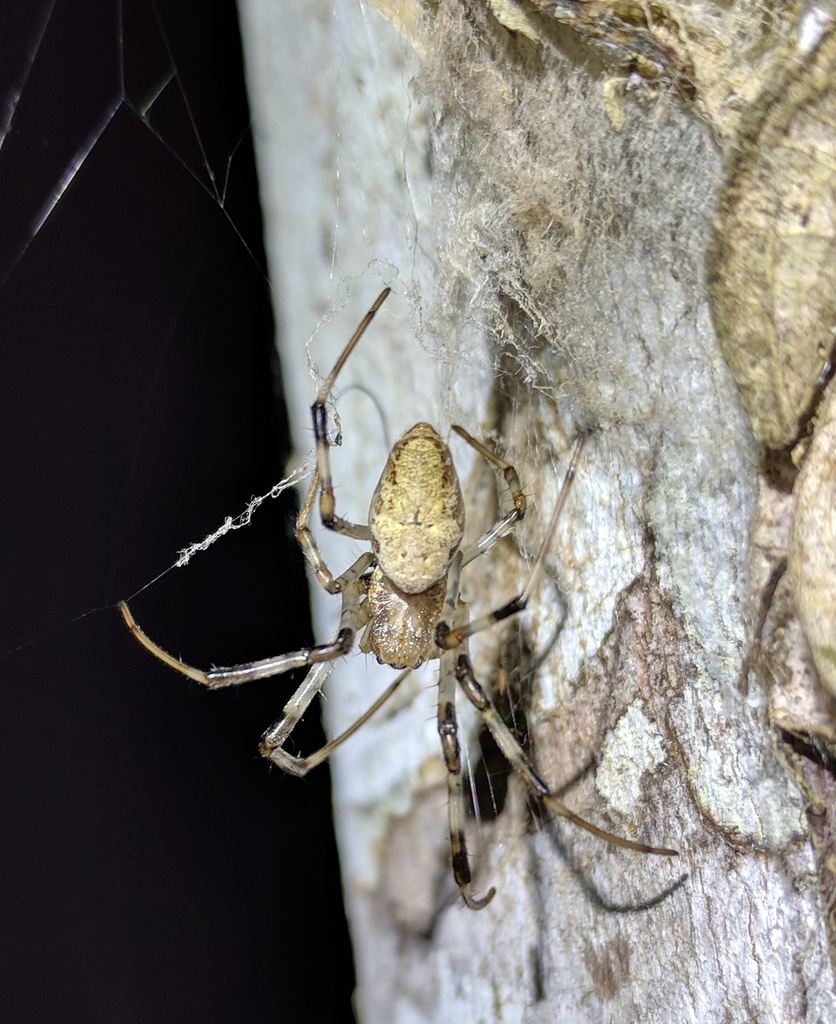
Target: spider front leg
[[319, 413], [349, 584], [310, 549], [449, 733]]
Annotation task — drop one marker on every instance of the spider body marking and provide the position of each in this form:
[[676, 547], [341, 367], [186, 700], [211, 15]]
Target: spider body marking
[[405, 596], [416, 516]]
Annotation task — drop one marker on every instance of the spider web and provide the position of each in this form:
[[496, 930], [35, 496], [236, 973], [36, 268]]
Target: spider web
[[138, 391]]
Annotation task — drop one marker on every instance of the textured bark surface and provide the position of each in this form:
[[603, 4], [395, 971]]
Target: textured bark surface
[[546, 245]]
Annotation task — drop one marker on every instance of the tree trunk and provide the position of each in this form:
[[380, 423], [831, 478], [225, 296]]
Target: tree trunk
[[540, 198]]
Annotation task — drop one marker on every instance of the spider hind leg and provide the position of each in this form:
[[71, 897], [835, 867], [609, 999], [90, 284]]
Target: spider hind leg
[[448, 731], [510, 747]]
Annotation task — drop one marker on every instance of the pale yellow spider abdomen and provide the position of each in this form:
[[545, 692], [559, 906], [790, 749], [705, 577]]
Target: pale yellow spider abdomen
[[416, 515]]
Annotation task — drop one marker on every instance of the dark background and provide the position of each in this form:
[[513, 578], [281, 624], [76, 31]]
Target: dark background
[[152, 866]]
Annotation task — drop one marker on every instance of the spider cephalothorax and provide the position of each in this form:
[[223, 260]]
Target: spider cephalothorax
[[405, 595]]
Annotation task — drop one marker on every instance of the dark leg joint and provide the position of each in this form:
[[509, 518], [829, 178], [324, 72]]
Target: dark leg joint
[[475, 694], [461, 865], [450, 753], [340, 645], [326, 508], [537, 785], [320, 422], [446, 717], [345, 638], [449, 739], [518, 604]]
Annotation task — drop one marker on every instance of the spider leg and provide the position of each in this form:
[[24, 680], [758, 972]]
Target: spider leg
[[448, 731], [499, 530], [310, 549], [508, 522], [274, 738], [508, 470], [446, 638], [351, 586], [320, 424], [516, 757]]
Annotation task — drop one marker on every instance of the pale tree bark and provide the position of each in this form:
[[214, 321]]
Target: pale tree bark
[[541, 199]]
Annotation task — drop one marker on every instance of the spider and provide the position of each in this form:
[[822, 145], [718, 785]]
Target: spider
[[405, 595]]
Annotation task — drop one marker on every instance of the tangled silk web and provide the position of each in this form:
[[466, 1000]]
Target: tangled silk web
[[230, 523]]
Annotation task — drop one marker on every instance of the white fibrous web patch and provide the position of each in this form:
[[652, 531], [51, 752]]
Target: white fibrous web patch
[[243, 518]]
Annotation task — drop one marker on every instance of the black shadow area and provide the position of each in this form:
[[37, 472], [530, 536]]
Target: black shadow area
[[154, 868]]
